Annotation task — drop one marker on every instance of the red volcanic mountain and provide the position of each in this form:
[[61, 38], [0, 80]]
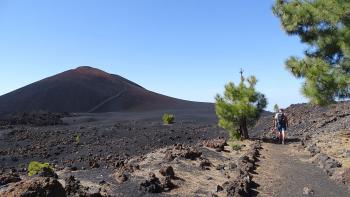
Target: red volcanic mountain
[[86, 89]]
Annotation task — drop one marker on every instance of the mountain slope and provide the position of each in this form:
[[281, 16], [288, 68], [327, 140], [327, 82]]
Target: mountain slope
[[86, 89]]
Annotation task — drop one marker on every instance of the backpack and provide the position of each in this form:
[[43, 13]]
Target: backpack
[[281, 119]]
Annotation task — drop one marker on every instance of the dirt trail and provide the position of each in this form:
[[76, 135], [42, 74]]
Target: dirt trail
[[94, 109], [284, 171]]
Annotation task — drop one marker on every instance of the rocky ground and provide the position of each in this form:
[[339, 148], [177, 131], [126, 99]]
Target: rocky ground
[[306, 119], [134, 154], [94, 148], [86, 141], [210, 168]]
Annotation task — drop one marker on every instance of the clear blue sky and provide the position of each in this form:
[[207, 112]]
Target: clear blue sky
[[186, 49]]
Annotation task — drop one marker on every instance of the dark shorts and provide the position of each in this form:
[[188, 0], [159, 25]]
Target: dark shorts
[[281, 128]]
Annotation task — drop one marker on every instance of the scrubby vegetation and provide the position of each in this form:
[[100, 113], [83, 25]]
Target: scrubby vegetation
[[77, 138], [37, 167], [236, 147], [239, 106], [234, 135], [168, 118]]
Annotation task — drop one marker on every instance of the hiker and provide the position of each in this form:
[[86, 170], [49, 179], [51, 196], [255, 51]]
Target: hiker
[[280, 123]]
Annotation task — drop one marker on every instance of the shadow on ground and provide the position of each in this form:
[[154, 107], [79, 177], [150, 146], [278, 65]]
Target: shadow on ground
[[275, 140]]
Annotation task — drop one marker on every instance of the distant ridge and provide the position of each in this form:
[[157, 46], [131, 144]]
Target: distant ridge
[[87, 89]]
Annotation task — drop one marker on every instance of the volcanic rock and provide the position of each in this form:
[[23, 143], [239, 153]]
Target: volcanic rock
[[167, 185], [167, 171], [74, 188], [47, 172], [72, 185], [9, 178], [346, 177], [232, 166], [327, 163], [168, 156], [313, 149], [205, 164], [219, 188], [217, 144], [221, 167], [94, 164], [152, 184], [307, 191], [38, 186], [237, 187], [190, 153], [121, 176]]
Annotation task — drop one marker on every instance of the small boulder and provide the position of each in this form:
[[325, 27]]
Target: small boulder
[[217, 144], [237, 187], [313, 149], [244, 159], [346, 154], [9, 178], [346, 177], [191, 153], [131, 167], [74, 188], [48, 172], [152, 184], [72, 185], [327, 163], [94, 164], [73, 168], [168, 156], [308, 191], [37, 186], [232, 166], [205, 164], [119, 163], [221, 167], [167, 185], [167, 171], [219, 188], [121, 176]]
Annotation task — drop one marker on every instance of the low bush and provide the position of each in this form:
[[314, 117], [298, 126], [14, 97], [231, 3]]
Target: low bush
[[77, 139], [168, 118], [234, 135], [236, 147], [37, 167]]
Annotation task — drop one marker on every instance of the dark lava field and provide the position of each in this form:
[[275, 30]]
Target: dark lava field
[[86, 141]]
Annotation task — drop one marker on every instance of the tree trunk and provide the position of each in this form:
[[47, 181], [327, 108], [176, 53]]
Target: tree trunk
[[241, 132], [245, 129]]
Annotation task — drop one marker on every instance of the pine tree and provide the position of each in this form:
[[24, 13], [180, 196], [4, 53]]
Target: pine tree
[[324, 25], [239, 106], [276, 108]]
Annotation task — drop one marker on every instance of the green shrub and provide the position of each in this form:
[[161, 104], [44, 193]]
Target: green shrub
[[77, 138], [236, 147], [36, 167], [234, 135], [168, 118]]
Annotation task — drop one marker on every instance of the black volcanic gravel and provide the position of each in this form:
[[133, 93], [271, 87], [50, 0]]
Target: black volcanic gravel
[[101, 144]]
